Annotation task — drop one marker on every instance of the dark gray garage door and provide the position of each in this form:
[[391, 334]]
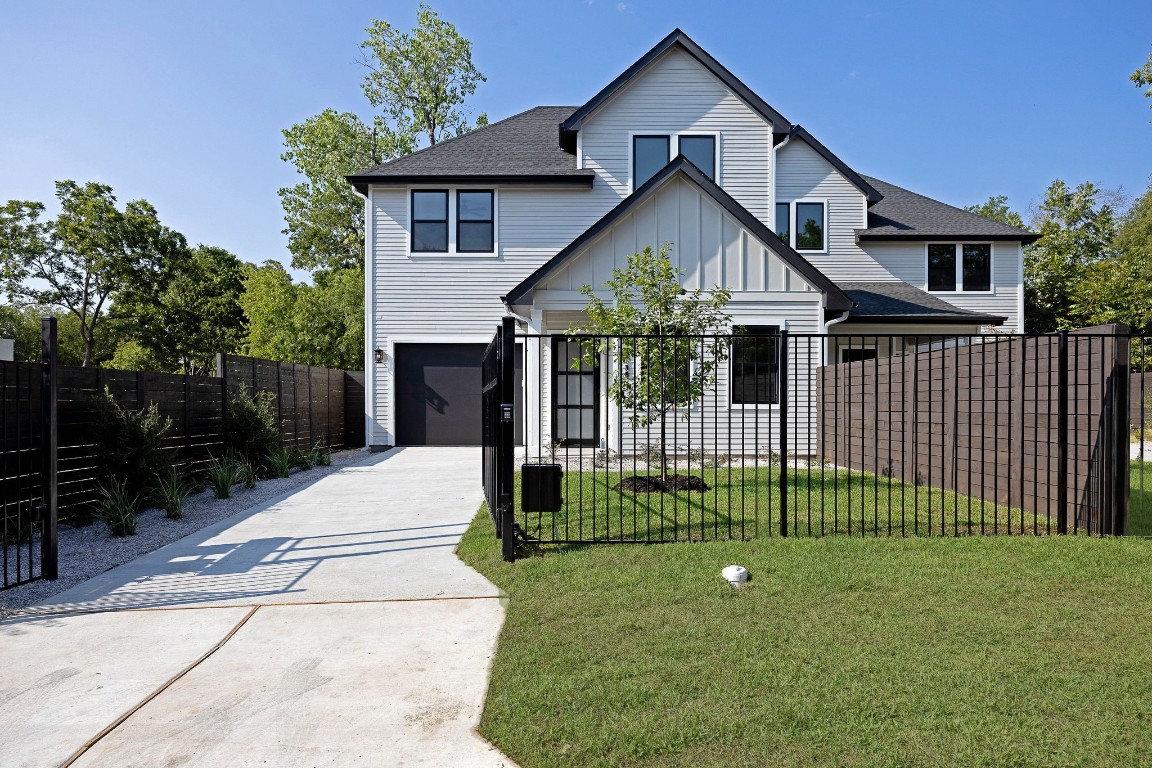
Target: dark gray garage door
[[438, 394]]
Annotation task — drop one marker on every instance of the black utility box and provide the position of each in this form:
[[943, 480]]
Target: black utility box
[[540, 487]]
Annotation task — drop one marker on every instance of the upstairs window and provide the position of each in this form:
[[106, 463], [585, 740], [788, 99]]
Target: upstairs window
[[959, 267], [430, 221], [755, 365], [783, 218], [649, 155], [474, 222], [700, 151], [809, 226]]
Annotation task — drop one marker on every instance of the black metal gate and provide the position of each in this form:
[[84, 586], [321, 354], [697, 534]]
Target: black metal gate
[[499, 377], [28, 457]]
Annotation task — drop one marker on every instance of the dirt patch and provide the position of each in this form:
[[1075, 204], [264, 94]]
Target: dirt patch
[[649, 484]]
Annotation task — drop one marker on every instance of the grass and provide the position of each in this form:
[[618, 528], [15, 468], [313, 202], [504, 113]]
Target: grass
[[743, 504], [1140, 499], [977, 651], [117, 508]]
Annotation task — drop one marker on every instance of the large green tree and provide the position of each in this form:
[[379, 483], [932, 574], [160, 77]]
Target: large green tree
[[76, 262], [1077, 231], [996, 208], [1118, 288], [1143, 77], [183, 322], [417, 83], [320, 324]]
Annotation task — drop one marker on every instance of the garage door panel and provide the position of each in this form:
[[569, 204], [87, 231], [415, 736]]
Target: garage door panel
[[438, 394]]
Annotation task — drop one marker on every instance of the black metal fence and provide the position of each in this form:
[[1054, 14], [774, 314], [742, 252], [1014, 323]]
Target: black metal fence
[[28, 458], [771, 433]]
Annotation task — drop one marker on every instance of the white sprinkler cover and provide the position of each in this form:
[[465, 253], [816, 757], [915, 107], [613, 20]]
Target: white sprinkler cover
[[735, 574]]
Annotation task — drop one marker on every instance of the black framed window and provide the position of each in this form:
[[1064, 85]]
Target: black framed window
[[783, 217], [701, 152], [941, 267], [809, 226], [977, 267], [430, 221], [576, 384], [649, 155], [755, 365], [475, 230]]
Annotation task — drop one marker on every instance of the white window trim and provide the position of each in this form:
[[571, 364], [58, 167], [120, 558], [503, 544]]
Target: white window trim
[[959, 254], [673, 150], [792, 223], [780, 323], [452, 253]]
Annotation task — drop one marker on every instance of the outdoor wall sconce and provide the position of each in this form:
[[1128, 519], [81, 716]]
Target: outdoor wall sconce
[[378, 355]]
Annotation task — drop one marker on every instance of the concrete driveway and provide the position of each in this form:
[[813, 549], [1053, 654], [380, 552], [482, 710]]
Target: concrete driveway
[[331, 627]]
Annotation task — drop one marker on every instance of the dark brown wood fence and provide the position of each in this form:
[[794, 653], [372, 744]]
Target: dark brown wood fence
[[986, 420], [315, 405]]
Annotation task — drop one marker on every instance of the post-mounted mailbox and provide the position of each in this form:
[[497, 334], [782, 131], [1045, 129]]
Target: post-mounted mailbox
[[540, 487]]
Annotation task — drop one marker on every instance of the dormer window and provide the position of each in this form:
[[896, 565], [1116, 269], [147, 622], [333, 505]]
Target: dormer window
[[651, 152]]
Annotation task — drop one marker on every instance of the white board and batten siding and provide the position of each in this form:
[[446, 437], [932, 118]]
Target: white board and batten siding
[[676, 94]]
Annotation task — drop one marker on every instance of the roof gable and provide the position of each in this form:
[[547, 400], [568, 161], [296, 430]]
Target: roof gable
[[872, 194], [835, 299], [571, 126]]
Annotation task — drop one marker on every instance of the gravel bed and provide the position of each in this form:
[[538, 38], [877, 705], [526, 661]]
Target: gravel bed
[[89, 551]]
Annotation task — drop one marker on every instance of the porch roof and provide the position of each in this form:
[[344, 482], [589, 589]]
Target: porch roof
[[899, 302]]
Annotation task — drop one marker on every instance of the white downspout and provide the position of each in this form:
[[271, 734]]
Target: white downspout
[[828, 336]]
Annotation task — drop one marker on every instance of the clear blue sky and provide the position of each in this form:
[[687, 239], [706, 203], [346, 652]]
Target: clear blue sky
[[182, 103]]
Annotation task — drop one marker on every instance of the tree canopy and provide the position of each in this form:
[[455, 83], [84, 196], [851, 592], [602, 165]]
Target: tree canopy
[[76, 262]]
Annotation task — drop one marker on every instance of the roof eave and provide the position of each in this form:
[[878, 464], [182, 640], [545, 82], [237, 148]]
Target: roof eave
[[361, 183], [927, 319], [1024, 238]]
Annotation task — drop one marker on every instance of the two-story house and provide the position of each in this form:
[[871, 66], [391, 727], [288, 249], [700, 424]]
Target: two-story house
[[515, 217]]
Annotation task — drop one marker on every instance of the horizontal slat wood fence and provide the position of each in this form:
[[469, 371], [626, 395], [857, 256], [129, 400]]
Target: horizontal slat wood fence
[[984, 420], [314, 404]]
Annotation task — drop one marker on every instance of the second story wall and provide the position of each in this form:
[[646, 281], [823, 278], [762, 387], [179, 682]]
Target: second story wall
[[674, 95]]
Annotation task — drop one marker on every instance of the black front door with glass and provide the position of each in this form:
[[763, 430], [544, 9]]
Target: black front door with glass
[[576, 385]]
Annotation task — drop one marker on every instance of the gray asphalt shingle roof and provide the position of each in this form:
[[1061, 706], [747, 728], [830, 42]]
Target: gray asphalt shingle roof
[[905, 214], [898, 300], [526, 144]]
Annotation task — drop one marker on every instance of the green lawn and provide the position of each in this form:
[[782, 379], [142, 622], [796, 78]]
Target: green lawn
[[746, 504], [977, 651], [1140, 500]]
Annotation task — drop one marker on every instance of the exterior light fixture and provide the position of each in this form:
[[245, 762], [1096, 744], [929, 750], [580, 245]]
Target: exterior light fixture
[[378, 355]]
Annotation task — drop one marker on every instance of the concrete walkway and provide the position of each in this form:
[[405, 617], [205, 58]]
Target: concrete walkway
[[331, 627]]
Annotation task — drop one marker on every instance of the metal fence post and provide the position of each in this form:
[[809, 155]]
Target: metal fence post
[[49, 561], [782, 377], [1062, 434], [505, 458]]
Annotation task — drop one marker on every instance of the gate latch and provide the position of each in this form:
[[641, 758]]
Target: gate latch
[[506, 411]]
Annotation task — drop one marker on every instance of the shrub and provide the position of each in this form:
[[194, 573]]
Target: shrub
[[301, 459], [117, 508], [320, 455], [222, 475], [171, 488], [604, 457], [252, 427], [279, 463], [128, 444]]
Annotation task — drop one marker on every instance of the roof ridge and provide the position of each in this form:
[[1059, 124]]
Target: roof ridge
[[457, 137]]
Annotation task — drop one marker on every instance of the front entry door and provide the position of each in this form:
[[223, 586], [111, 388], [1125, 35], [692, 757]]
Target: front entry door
[[576, 385]]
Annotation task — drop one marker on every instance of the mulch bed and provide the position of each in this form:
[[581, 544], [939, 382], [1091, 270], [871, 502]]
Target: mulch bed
[[648, 484]]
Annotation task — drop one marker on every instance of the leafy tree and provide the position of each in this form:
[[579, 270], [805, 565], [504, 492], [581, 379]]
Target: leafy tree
[[654, 319], [418, 81], [22, 325], [321, 324], [1118, 289], [422, 78], [997, 209], [1143, 77], [1076, 230], [76, 262], [325, 216], [183, 322]]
